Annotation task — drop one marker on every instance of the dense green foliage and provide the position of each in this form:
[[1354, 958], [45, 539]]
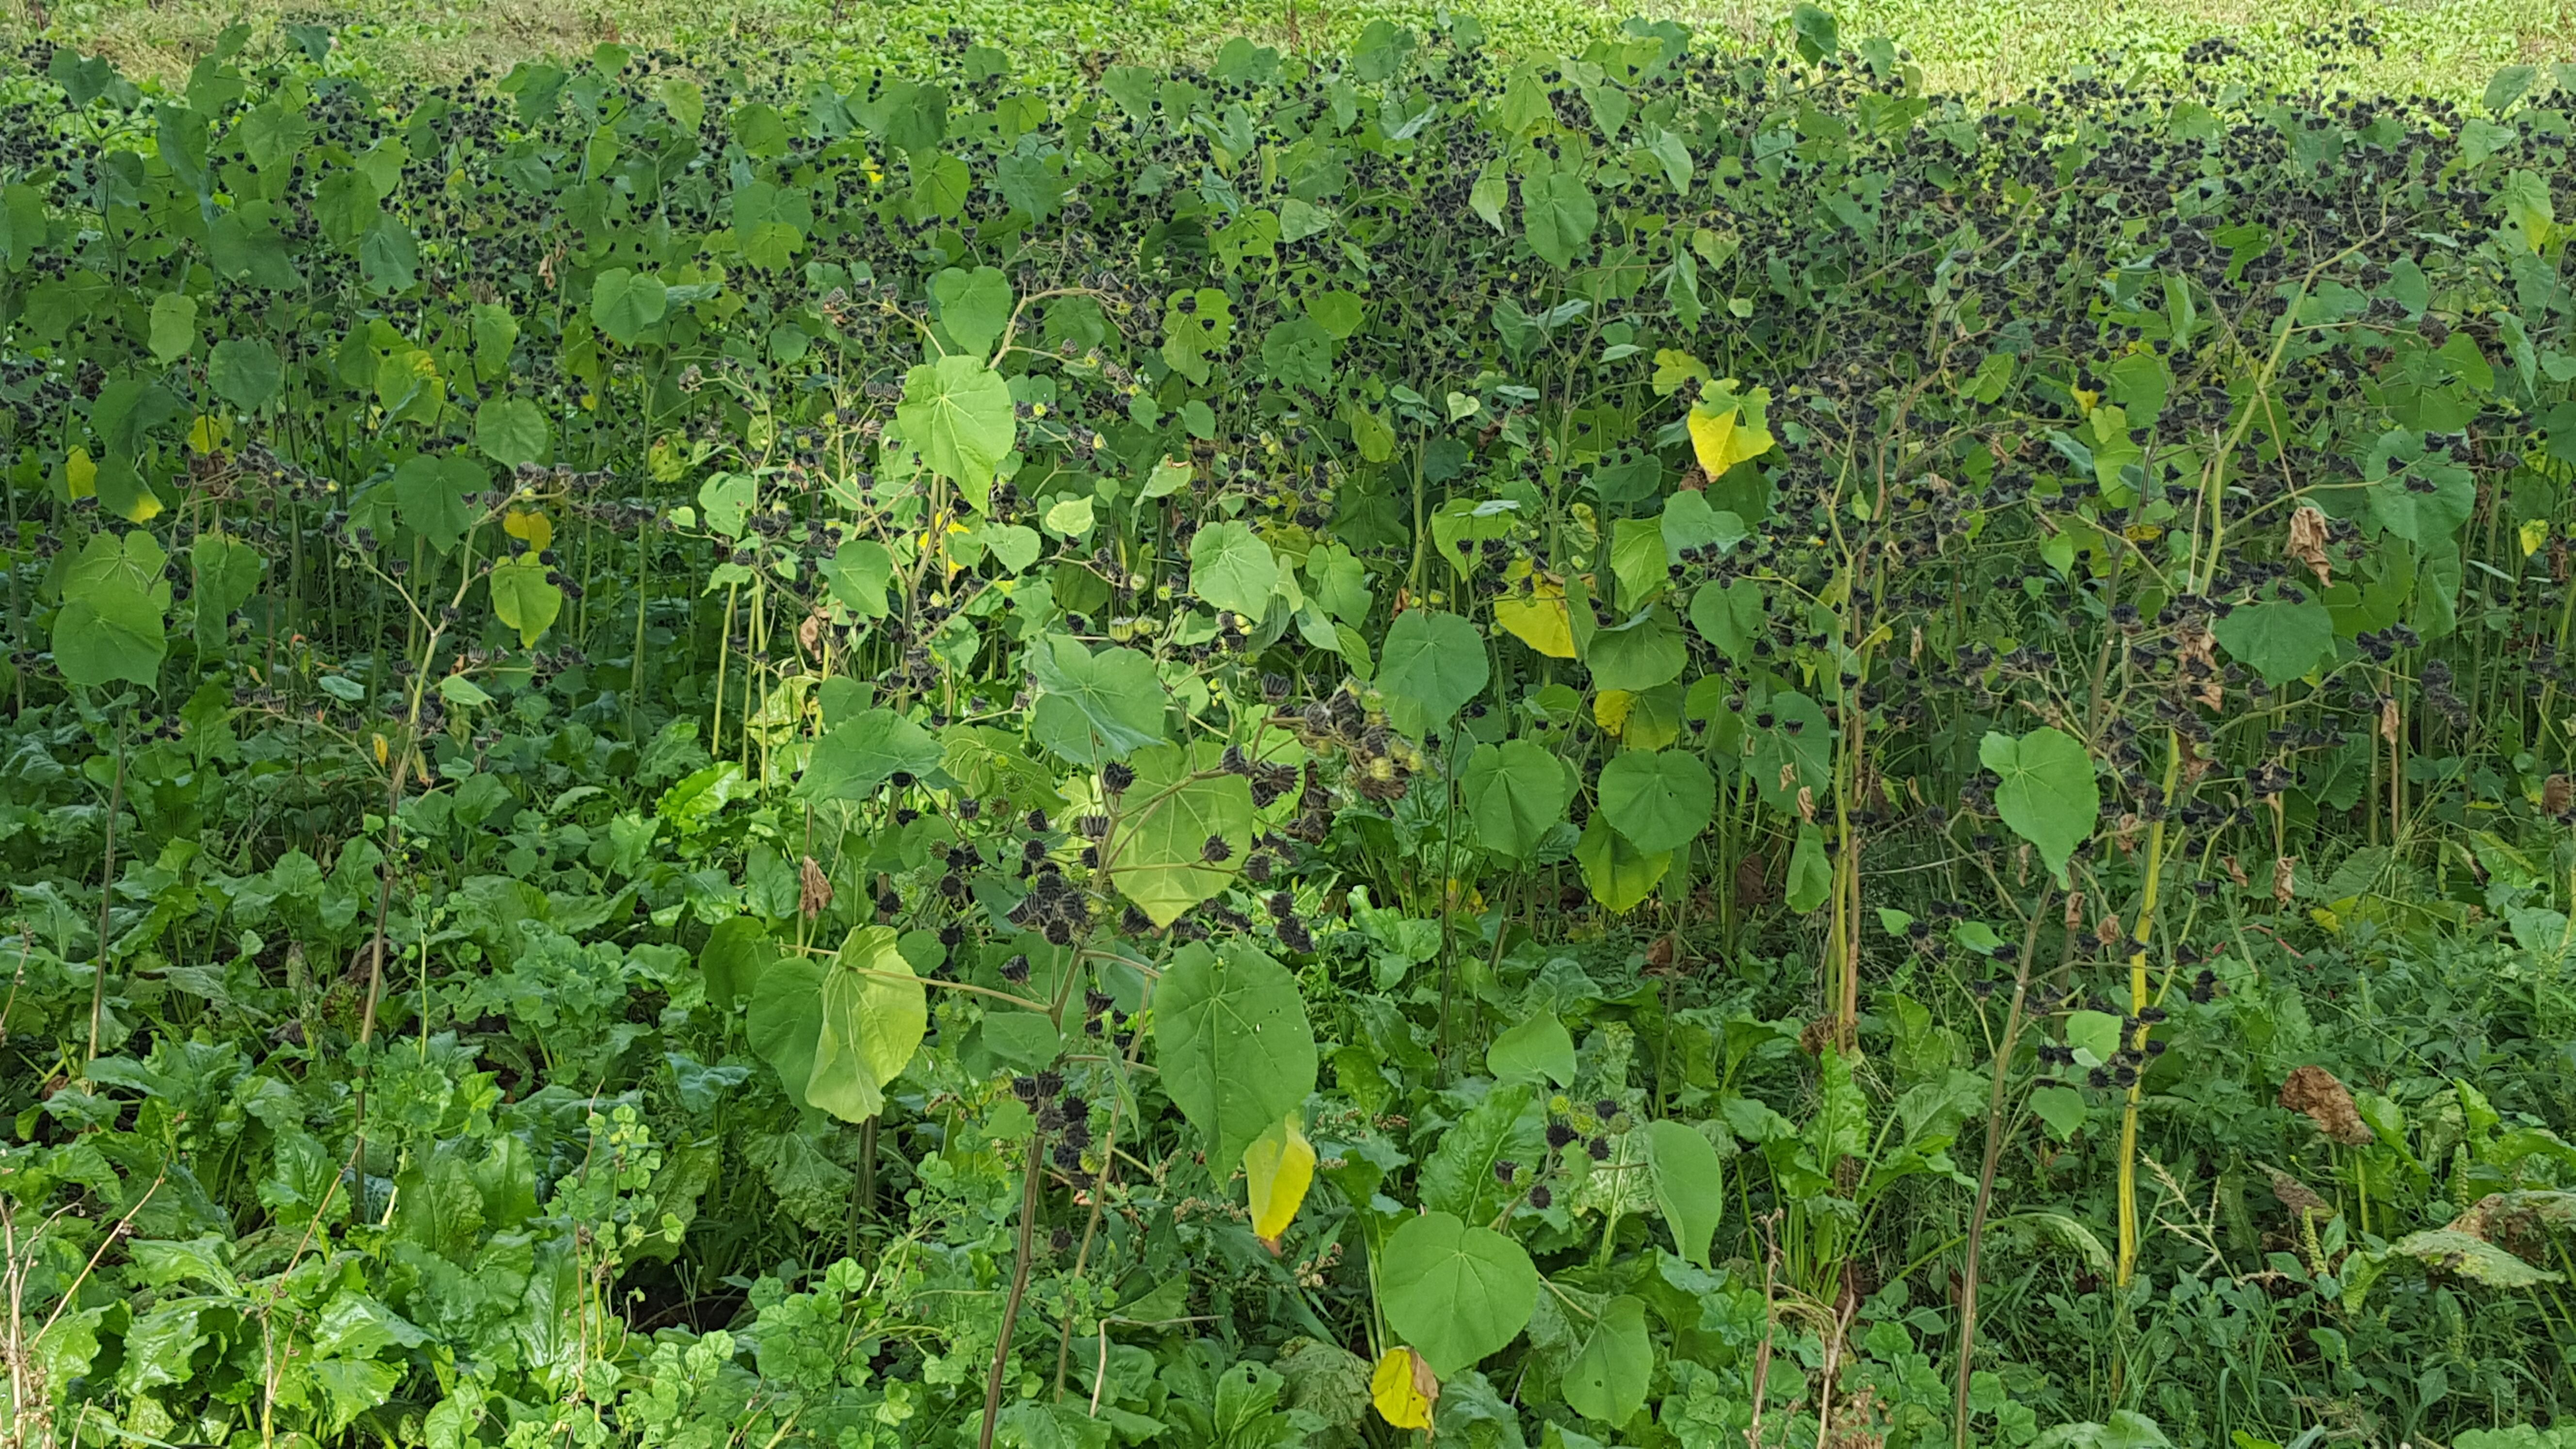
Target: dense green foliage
[[2442, 48], [1624, 751]]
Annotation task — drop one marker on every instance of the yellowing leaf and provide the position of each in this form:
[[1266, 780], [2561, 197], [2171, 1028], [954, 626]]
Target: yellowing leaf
[[1610, 709], [2090, 398], [144, 507], [1676, 369], [1726, 429], [1280, 1165], [1540, 619], [80, 475], [2534, 533], [535, 527], [1403, 1389], [208, 433]]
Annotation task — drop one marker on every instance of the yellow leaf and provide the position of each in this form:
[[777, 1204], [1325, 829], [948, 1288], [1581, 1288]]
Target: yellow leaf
[[536, 528], [1610, 709], [381, 751], [207, 433], [2534, 534], [1721, 438], [1676, 369], [1539, 620], [1280, 1165], [80, 475], [665, 461], [1403, 1389], [2089, 397]]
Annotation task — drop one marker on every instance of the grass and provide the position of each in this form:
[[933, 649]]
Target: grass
[[2436, 47]]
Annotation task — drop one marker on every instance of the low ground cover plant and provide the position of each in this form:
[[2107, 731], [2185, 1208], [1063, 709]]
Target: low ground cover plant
[[1669, 748]]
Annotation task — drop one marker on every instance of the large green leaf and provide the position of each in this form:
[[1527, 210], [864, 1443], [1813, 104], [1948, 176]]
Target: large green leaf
[[1463, 1174], [1793, 750], [1607, 1380], [1689, 521], [1618, 874], [109, 626], [874, 1015], [2421, 496], [1729, 615], [1637, 655], [2047, 794], [1538, 1047], [1811, 870], [225, 570], [2280, 640], [974, 307], [1431, 664], [2472, 1258], [1515, 793], [738, 951], [1159, 856], [1690, 1185], [1659, 799], [435, 497], [1231, 568], [1232, 1044], [511, 431], [786, 1020], [1455, 1293], [1560, 214], [856, 757], [524, 598], [244, 371], [627, 304], [1298, 351], [1640, 559], [958, 412], [1096, 707]]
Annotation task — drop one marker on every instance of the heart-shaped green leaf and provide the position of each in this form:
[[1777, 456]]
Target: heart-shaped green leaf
[[1453, 1292], [1233, 1045], [2047, 794]]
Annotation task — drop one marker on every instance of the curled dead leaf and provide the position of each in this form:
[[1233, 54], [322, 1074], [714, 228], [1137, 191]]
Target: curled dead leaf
[[813, 889], [2307, 543], [2298, 1197], [2324, 1100]]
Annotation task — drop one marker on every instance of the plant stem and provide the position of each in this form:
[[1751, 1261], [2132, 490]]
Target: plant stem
[[1994, 1157], [106, 898], [2128, 1266], [1019, 1286]]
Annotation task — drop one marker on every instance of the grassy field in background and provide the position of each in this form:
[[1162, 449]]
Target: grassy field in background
[[2442, 47]]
